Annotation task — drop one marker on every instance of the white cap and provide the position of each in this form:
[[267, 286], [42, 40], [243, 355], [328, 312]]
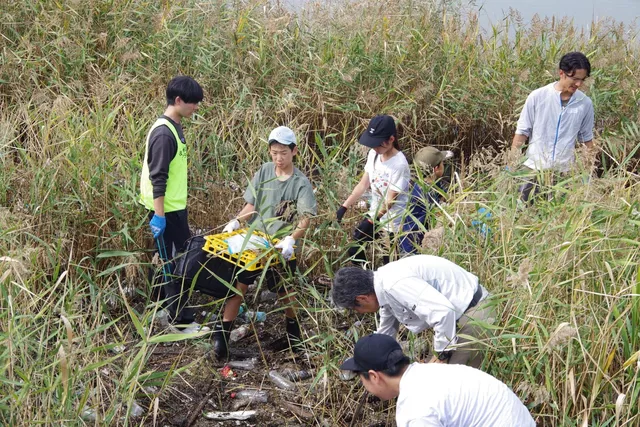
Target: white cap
[[283, 135]]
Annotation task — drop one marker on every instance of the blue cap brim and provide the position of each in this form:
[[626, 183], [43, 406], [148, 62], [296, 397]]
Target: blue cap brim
[[371, 142], [350, 365]]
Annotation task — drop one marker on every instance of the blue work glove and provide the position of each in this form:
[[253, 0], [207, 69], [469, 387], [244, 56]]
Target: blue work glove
[[157, 224]]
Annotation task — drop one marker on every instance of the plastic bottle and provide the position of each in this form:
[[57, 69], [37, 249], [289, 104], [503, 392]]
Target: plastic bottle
[[280, 381], [347, 375], [353, 328], [246, 365], [256, 316], [136, 410], [293, 375], [261, 396], [239, 333], [246, 397]]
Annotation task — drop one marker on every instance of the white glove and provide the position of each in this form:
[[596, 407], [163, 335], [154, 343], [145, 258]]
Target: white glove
[[233, 225], [286, 245]]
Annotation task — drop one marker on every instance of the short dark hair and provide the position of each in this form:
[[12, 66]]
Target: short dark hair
[[186, 88], [397, 369], [349, 283], [573, 61]]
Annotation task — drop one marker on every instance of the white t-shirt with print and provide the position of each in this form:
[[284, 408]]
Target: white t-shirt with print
[[393, 175], [435, 394]]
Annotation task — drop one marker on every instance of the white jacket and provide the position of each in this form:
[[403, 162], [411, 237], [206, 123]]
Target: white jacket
[[437, 395], [552, 130], [421, 292]]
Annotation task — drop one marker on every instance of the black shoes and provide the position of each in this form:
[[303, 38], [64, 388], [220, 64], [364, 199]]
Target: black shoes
[[221, 335]]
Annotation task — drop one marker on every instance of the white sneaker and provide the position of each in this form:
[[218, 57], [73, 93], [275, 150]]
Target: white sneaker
[[194, 327]]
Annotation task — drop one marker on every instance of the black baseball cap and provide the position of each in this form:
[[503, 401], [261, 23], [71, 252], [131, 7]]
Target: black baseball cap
[[379, 130], [373, 352]]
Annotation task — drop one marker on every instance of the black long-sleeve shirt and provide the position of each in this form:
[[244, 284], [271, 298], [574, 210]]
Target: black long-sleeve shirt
[[162, 149]]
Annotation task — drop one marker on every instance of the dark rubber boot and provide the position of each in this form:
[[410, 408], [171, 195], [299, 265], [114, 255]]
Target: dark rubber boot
[[221, 332], [293, 334]]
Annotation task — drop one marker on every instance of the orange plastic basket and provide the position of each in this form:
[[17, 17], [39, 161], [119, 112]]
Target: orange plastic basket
[[255, 258]]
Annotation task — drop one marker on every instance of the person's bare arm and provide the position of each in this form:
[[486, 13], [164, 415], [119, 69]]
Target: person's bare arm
[[246, 211], [301, 228], [358, 191], [388, 202], [158, 206]]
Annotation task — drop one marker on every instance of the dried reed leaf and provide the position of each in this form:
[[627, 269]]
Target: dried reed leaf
[[619, 406], [64, 370], [69, 330]]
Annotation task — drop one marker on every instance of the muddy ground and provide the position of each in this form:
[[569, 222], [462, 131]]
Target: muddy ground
[[322, 400]]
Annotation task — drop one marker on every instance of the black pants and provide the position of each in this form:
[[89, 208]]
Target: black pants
[[169, 245], [274, 277], [537, 184], [363, 234]]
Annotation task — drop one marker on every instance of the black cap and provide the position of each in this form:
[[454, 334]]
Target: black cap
[[379, 130], [372, 353]]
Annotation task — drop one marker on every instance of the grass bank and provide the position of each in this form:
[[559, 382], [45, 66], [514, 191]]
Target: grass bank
[[81, 83]]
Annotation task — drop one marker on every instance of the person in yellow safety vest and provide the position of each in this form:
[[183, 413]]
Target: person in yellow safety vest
[[163, 184]]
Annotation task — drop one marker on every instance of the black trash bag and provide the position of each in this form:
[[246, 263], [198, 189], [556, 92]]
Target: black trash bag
[[196, 270], [205, 273]]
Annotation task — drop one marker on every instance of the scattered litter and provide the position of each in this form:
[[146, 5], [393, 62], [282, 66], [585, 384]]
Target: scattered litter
[[89, 414], [239, 415], [347, 375], [293, 375], [239, 243], [150, 389], [246, 365], [416, 349], [253, 316], [239, 333], [246, 397], [161, 318], [353, 328], [194, 328], [136, 410], [209, 316], [227, 372], [280, 381], [267, 296], [118, 349], [297, 410]]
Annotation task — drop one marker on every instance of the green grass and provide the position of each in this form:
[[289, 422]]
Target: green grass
[[81, 82]]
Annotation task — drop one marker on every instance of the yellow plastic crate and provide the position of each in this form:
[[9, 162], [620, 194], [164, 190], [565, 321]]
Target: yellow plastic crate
[[249, 259]]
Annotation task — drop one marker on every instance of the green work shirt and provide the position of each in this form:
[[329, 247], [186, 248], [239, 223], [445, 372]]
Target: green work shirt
[[279, 203]]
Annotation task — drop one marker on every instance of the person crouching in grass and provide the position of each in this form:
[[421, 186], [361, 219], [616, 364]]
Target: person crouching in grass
[[433, 394], [422, 292], [427, 190], [279, 198]]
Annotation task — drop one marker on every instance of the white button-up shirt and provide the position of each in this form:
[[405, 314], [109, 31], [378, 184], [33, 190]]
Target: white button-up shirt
[[436, 394], [553, 129], [424, 291]]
